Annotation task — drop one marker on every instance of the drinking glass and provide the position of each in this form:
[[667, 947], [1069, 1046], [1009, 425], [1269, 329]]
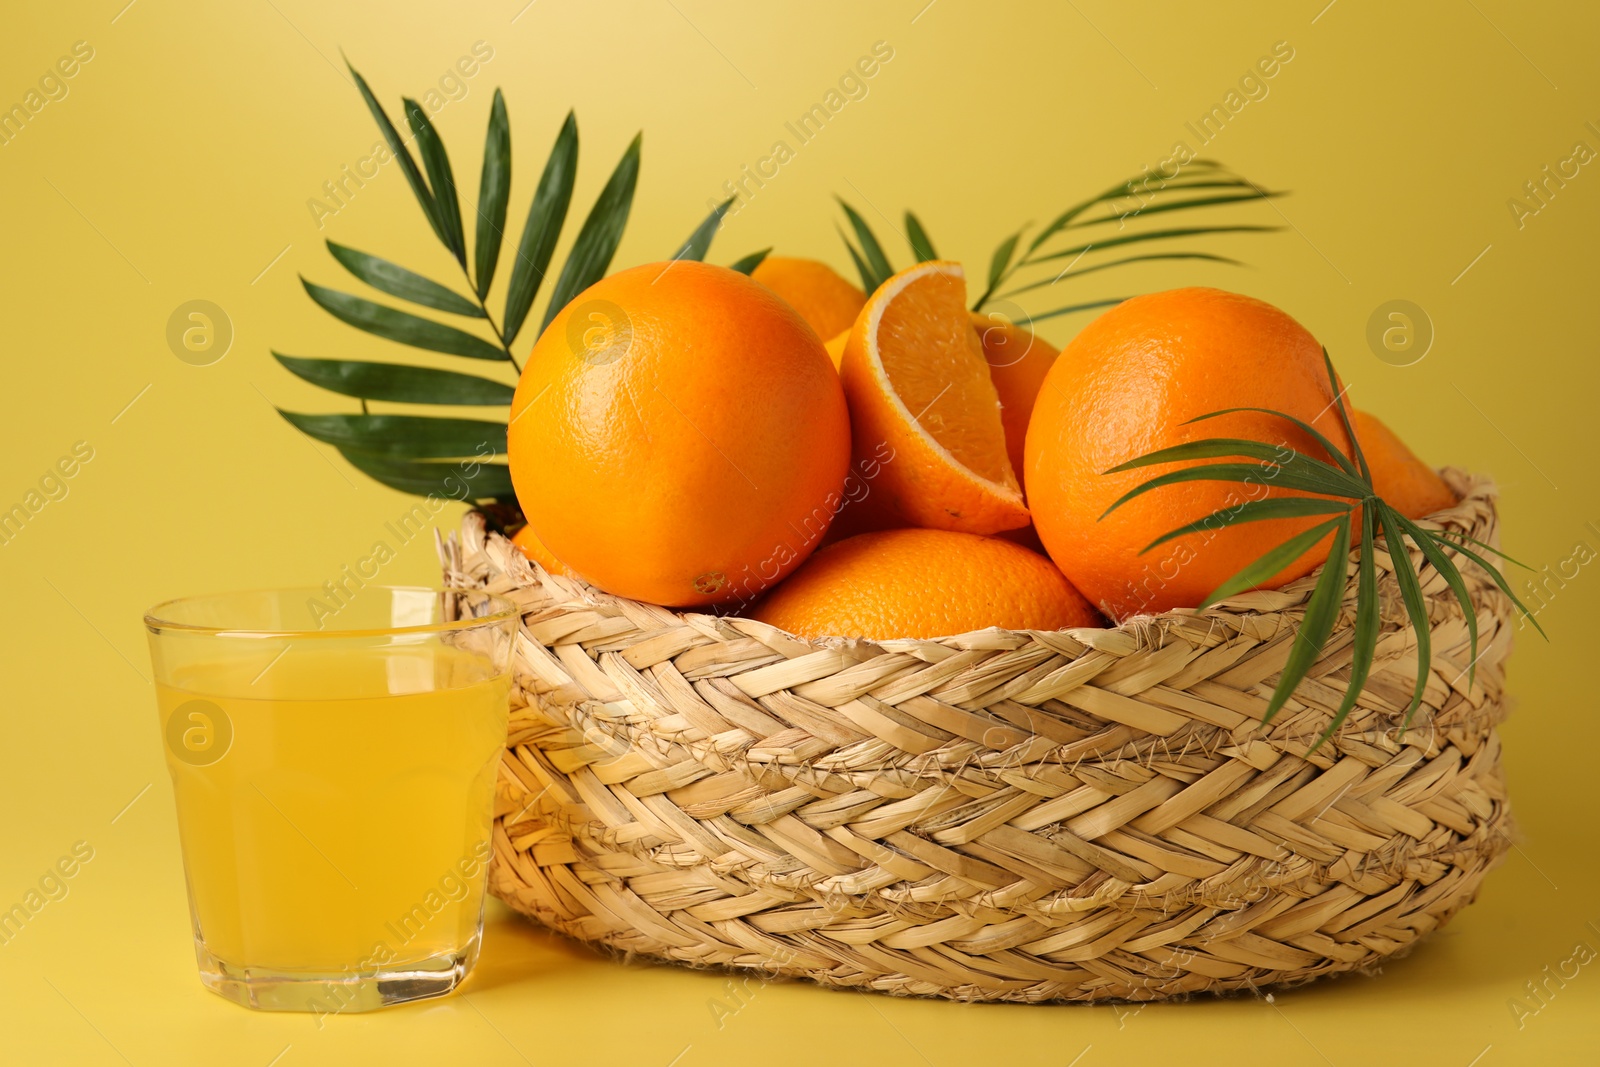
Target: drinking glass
[[333, 756]]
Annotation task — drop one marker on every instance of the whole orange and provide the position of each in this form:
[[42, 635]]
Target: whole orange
[[814, 289], [679, 436], [1126, 386], [924, 583]]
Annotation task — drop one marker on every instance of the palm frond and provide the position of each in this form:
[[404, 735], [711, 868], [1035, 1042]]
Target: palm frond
[[917, 237], [546, 215], [409, 452], [699, 242], [871, 249], [1197, 185], [869, 280], [748, 264], [1342, 484]]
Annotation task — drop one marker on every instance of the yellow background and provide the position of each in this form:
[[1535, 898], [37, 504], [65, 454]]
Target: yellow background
[[179, 165]]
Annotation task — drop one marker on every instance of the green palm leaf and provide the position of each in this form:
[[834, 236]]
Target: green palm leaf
[[1452, 576], [1341, 408], [1181, 205], [1500, 581], [1180, 184], [1486, 546], [1272, 562], [699, 242], [1125, 261], [869, 282], [748, 264], [1213, 448], [396, 280], [408, 166], [494, 191], [1368, 623], [440, 178], [484, 481], [917, 237], [1305, 427], [401, 326], [403, 436], [1281, 507], [1001, 259], [402, 450], [1411, 594], [1063, 220], [546, 215], [871, 250], [1072, 309], [1196, 175], [602, 231], [398, 382], [1204, 167], [1154, 235], [1305, 477], [1322, 611]]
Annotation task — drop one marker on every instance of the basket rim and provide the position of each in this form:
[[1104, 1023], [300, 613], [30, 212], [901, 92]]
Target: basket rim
[[1475, 493]]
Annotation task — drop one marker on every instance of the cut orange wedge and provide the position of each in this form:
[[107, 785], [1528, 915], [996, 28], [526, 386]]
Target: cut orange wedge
[[928, 442]]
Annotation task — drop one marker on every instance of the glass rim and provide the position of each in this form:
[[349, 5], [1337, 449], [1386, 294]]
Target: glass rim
[[506, 609]]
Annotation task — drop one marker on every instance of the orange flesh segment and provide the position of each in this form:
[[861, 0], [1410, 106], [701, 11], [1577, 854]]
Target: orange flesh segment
[[935, 364]]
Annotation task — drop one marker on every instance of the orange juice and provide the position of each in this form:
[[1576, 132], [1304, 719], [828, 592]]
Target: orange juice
[[334, 809]]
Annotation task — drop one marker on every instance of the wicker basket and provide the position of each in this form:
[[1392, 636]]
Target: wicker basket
[[1025, 816]]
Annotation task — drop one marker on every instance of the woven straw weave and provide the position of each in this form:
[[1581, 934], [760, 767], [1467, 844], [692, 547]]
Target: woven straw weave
[[1026, 816]]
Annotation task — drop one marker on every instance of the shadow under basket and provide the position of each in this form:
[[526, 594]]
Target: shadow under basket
[[1001, 815]]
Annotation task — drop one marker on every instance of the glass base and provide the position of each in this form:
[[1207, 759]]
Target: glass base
[[266, 989]]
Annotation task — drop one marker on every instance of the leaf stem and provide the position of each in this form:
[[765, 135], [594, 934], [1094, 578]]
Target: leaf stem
[[983, 298], [1003, 277], [488, 317]]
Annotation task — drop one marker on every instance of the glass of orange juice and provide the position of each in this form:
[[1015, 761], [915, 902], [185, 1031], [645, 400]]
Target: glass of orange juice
[[333, 760]]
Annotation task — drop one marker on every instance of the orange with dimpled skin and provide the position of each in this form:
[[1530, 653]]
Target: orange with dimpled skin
[[924, 583], [1126, 386], [679, 436]]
